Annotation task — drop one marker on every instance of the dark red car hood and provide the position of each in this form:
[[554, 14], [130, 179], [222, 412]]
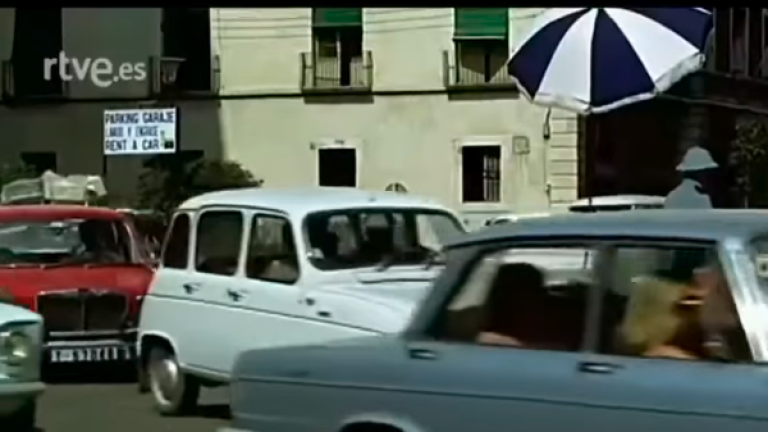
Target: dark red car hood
[[25, 283]]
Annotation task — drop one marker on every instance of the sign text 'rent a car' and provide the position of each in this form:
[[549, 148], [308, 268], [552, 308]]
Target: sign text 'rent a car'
[[140, 131]]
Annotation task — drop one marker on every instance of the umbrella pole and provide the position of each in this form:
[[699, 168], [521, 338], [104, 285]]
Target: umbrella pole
[[593, 166]]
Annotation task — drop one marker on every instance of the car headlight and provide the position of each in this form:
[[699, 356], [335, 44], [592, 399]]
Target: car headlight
[[16, 347]]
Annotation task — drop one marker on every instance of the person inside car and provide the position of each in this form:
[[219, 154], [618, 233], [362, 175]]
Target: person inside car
[[284, 265], [99, 244], [323, 241], [515, 294], [692, 319], [654, 324]]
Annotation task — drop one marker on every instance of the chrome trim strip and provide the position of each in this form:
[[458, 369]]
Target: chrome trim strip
[[92, 333], [101, 342]]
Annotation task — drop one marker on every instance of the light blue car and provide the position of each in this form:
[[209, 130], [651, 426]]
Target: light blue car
[[20, 361], [662, 328]]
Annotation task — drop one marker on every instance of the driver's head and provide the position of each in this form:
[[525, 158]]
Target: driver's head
[[320, 236], [379, 233], [92, 234]]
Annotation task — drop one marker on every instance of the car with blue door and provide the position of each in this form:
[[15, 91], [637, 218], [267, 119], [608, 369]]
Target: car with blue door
[[662, 328]]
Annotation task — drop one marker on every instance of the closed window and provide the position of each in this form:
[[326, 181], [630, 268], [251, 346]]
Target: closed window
[[177, 245], [272, 251], [217, 249]]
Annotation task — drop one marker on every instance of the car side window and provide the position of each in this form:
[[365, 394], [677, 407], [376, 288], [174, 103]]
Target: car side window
[[177, 246], [219, 234], [272, 250], [529, 297], [671, 302]]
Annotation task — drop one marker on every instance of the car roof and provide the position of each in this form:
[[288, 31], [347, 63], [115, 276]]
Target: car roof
[[10, 213], [618, 200], [309, 200], [701, 225]]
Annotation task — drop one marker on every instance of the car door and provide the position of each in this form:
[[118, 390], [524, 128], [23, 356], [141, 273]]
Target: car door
[[272, 278], [175, 297], [455, 380], [218, 322], [695, 387]]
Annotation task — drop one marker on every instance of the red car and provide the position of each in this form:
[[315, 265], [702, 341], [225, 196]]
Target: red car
[[84, 270]]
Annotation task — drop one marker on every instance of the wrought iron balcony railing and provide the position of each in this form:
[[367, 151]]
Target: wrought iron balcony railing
[[335, 74], [478, 73]]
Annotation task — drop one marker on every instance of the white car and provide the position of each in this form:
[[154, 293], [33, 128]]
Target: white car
[[593, 205], [263, 268], [20, 362]]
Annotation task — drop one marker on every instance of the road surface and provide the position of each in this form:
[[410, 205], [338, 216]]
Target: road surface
[[118, 407]]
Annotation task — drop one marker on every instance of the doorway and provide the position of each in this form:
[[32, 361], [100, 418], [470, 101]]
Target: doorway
[[337, 167]]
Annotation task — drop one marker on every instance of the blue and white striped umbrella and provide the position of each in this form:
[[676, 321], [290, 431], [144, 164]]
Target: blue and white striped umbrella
[[592, 60]]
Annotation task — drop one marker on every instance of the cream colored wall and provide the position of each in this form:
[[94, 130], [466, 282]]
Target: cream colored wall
[[409, 139], [408, 133]]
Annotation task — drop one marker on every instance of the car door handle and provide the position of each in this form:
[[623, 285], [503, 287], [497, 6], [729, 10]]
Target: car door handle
[[235, 295], [422, 354], [598, 368], [324, 314], [191, 288]]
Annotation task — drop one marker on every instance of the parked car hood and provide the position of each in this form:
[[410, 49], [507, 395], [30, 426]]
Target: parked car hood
[[402, 296], [397, 274], [10, 313]]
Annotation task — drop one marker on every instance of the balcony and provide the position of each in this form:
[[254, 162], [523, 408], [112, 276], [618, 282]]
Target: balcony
[[332, 75], [35, 85], [172, 77], [479, 72]]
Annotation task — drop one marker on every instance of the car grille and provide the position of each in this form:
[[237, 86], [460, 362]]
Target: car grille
[[83, 310]]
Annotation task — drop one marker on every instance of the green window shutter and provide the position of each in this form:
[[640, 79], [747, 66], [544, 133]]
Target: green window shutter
[[337, 17], [481, 23]]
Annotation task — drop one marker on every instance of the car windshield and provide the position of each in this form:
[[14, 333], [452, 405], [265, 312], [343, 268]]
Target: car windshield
[[378, 237], [64, 242]]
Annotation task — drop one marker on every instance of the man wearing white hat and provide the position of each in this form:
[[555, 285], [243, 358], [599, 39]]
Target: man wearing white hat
[[696, 166]]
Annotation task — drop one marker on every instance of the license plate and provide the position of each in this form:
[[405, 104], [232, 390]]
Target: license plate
[[90, 354]]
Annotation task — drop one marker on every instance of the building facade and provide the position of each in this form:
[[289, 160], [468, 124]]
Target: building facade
[[412, 99]]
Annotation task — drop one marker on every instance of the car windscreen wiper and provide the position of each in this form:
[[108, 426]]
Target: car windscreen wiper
[[433, 258], [414, 255]]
